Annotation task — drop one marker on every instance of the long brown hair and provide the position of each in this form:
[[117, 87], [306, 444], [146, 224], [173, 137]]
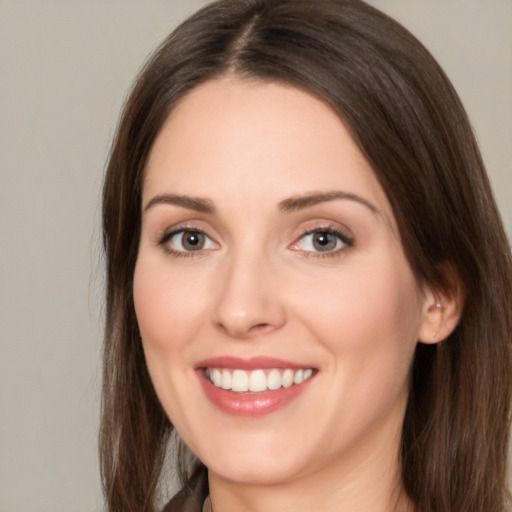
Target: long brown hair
[[408, 121]]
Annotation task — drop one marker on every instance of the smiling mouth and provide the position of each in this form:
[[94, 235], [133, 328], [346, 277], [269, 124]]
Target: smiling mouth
[[256, 381]]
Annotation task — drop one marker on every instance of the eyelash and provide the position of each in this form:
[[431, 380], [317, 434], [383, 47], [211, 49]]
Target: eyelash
[[346, 240], [168, 236]]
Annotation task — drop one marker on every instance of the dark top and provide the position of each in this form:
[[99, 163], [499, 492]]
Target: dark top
[[192, 496]]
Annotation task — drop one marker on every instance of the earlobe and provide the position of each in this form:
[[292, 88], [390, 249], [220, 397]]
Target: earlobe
[[441, 314]]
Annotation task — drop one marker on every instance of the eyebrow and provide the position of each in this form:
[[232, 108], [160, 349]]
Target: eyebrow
[[307, 201], [289, 205], [197, 204]]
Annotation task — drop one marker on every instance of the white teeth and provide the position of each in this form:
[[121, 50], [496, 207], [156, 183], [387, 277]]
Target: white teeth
[[256, 381], [226, 380], [274, 380], [240, 381], [287, 378], [216, 377]]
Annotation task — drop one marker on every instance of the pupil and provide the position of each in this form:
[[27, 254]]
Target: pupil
[[193, 241], [324, 241]]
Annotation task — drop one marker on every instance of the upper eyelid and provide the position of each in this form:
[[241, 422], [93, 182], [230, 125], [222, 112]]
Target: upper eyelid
[[332, 231], [345, 239], [187, 225], [324, 228], [328, 226], [172, 234], [168, 234], [164, 243], [341, 231]]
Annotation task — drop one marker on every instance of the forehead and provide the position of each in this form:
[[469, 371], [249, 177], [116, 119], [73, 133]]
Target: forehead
[[256, 138]]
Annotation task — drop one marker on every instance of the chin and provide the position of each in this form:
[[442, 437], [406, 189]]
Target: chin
[[253, 473], [256, 466]]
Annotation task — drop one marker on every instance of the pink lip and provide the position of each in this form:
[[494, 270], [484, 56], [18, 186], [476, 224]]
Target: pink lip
[[251, 363], [249, 404]]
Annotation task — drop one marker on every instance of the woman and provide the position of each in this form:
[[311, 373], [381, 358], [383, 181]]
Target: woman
[[307, 276]]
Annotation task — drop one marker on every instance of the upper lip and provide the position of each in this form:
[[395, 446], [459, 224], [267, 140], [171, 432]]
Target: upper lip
[[250, 363]]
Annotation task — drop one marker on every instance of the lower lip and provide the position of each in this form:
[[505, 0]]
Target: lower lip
[[250, 404]]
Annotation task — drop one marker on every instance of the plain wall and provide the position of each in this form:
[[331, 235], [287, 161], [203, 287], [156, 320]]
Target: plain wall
[[66, 66]]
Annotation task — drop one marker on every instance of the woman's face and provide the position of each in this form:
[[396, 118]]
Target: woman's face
[[269, 253]]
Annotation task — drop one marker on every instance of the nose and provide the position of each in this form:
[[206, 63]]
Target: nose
[[248, 303]]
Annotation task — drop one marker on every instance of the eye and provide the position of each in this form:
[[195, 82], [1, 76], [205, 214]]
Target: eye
[[322, 241], [188, 240]]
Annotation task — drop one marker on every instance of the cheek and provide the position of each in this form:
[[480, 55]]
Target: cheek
[[169, 314], [167, 306], [368, 318]]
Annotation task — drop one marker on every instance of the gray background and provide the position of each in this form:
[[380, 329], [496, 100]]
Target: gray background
[[65, 68]]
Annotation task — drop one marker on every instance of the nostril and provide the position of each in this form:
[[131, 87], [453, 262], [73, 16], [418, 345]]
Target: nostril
[[244, 331], [259, 327]]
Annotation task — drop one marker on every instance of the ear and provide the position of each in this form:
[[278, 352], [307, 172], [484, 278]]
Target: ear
[[441, 313]]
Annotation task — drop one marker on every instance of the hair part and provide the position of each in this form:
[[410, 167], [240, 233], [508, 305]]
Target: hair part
[[411, 126]]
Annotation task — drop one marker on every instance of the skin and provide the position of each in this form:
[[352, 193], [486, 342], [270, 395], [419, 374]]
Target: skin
[[260, 288]]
